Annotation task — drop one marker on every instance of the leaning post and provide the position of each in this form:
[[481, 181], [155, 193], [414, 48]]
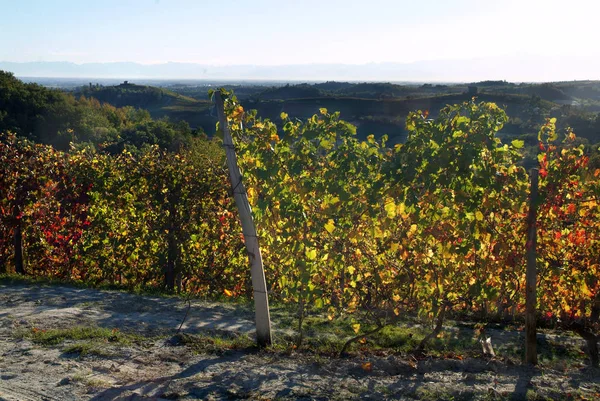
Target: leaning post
[[257, 272]]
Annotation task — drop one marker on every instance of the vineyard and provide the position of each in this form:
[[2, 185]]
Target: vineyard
[[435, 227]]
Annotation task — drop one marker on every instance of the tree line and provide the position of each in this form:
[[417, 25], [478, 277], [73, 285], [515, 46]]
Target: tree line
[[56, 118]]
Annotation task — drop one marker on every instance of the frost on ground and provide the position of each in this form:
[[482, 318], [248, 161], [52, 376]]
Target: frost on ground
[[157, 368]]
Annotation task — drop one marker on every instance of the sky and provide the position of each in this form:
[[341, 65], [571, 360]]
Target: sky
[[283, 32]]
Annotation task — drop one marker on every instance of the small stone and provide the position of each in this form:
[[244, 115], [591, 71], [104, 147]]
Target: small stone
[[65, 381]]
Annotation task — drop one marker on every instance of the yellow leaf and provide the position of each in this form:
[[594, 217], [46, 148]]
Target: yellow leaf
[[377, 233], [585, 290], [330, 226], [412, 231], [390, 208], [251, 194], [274, 137], [228, 293], [311, 254], [400, 209], [351, 269], [367, 366], [356, 327], [478, 215], [237, 113]]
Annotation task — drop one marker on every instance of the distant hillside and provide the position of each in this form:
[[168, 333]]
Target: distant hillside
[[290, 92], [159, 102], [375, 108], [57, 118]]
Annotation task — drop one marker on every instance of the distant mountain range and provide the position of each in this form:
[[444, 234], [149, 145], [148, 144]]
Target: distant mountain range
[[511, 68]]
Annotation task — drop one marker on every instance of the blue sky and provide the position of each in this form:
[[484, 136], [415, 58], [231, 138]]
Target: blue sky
[[270, 32]]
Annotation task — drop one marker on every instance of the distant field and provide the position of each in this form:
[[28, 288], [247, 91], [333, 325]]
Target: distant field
[[374, 108], [160, 102]]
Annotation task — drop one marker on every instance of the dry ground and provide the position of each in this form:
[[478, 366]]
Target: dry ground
[[145, 362]]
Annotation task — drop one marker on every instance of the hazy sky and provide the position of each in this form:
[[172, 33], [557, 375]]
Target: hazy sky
[[273, 32]]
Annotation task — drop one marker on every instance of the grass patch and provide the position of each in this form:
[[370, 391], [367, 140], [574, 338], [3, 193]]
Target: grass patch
[[555, 354], [215, 343], [427, 394], [324, 337], [52, 337], [327, 337]]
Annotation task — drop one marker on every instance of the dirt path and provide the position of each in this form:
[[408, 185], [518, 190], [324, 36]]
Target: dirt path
[[67, 305], [158, 369]]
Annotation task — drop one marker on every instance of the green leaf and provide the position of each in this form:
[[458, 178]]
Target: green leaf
[[518, 144], [326, 144]]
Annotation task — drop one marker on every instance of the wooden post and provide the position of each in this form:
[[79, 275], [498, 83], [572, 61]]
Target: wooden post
[[259, 284], [531, 275], [18, 241]]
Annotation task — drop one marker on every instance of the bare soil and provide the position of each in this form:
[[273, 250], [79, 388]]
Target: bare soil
[[162, 369]]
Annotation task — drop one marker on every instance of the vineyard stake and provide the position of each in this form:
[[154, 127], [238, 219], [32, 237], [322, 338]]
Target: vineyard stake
[[257, 272]]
